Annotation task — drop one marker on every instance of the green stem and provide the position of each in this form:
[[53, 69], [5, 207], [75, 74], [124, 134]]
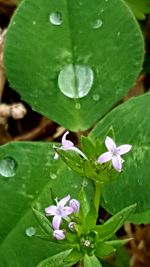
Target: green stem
[[97, 195]]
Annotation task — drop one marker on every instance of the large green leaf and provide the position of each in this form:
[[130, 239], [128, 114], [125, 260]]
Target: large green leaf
[[98, 36], [35, 173], [131, 124]]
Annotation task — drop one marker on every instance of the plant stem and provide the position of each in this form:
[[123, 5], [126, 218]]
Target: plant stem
[[97, 195]]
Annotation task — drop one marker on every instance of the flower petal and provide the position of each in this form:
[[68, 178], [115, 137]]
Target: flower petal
[[66, 144], [123, 149], [105, 157], [75, 205], [63, 201], [117, 163], [51, 210], [56, 156], [56, 222], [110, 144], [67, 211]]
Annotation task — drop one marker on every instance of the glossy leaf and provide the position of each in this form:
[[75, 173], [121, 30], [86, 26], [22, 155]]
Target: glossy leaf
[[46, 40], [56, 261], [131, 125], [35, 173]]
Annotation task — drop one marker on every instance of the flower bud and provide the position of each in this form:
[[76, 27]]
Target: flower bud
[[75, 205], [71, 226], [59, 234]]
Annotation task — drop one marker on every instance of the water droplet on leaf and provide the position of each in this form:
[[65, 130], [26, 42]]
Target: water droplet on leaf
[[30, 231], [75, 81], [96, 97], [56, 18], [97, 24], [53, 176], [8, 167], [85, 183], [77, 105]]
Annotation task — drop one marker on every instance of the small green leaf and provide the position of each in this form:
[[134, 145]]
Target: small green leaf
[[111, 133], [84, 206], [74, 256], [56, 260], [109, 228], [91, 261], [88, 147], [88, 168], [91, 218], [118, 243], [73, 160], [104, 249], [43, 221]]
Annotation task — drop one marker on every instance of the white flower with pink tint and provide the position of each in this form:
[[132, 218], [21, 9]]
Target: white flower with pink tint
[[114, 153], [68, 145]]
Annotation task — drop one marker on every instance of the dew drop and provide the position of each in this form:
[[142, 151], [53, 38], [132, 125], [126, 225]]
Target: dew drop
[[8, 167], [102, 10], [53, 176], [77, 105], [75, 81], [118, 34], [85, 183], [30, 231], [75, 186], [97, 24], [96, 97], [34, 22], [56, 18]]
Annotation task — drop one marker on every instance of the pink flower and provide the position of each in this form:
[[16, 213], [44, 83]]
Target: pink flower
[[68, 145], [59, 212], [114, 153]]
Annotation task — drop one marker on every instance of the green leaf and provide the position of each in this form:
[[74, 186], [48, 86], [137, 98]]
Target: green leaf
[[88, 168], [56, 261], [88, 147], [131, 125], [91, 218], [112, 225], [91, 261], [118, 243], [37, 51], [74, 256], [84, 206], [139, 8], [104, 249], [43, 221], [34, 174]]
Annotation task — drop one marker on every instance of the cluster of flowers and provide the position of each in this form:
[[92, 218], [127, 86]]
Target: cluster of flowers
[[113, 154], [60, 211]]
